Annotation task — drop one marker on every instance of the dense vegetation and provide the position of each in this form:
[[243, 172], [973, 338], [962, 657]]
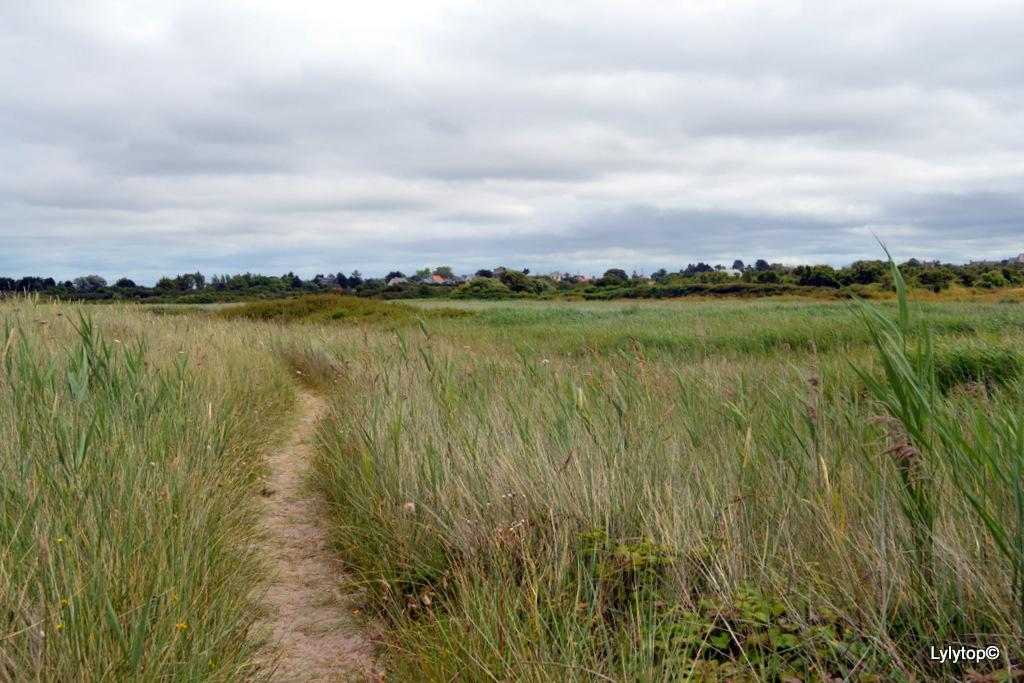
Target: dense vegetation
[[540, 491], [129, 464], [727, 491]]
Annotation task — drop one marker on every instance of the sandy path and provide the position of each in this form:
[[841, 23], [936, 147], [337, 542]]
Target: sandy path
[[308, 616]]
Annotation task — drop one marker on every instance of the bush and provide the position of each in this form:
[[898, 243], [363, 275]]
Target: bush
[[483, 288]]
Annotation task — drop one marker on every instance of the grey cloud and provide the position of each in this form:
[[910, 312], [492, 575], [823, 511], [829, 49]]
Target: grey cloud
[[522, 132]]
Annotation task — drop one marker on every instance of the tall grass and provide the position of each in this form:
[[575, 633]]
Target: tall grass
[[129, 458], [524, 503], [971, 447]]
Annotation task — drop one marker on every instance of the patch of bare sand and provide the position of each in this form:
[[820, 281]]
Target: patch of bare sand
[[310, 620]]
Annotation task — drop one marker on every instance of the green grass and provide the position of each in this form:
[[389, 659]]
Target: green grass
[[129, 459], [666, 492], [539, 491], [333, 308]]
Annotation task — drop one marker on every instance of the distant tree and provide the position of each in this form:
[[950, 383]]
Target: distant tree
[[393, 274], [6, 284], [1013, 275], [866, 272], [817, 276], [421, 273], [935, 279], [719, 266], [185, 282], [701, 267], [373, 283], [445, 272], [738, 265], [761, 265], [992, 279], [767, 277], [483, 272], [659, 275], [483, 288], [516, 281], [290, 279], [30, 283], [125, 282], [355, 279], [715, 277], [616, 273], [89, 283]]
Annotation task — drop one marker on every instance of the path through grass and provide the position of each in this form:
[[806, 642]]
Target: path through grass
[[310, 619]]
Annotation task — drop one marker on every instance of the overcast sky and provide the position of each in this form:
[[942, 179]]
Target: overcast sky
[[147, 138]]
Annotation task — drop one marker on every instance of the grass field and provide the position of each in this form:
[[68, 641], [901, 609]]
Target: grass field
[[535, 491]]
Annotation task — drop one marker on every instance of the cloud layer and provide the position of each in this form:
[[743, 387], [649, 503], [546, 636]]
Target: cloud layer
[[151, 138]]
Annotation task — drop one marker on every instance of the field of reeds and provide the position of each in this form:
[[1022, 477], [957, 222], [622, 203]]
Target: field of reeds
[[130, 449], [680, 491], [538, 491]]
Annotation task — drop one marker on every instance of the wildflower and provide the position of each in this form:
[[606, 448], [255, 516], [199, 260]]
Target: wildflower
[[60, 627], [182, 626], [60, 540], [355, 611], [64, 602], [176, 598]]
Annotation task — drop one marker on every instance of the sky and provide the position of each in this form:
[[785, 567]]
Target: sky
[[148, 138]]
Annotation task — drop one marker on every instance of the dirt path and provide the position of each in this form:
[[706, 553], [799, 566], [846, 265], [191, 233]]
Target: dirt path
[[308, 616]]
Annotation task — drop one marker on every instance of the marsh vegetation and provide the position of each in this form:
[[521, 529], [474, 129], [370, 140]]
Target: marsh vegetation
[[536, 491]]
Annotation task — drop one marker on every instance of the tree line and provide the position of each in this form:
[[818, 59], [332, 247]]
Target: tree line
[[760, 278]]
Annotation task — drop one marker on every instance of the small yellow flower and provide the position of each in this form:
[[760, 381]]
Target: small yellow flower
[[182, 626], [176, 598], [60, 627], [60, 540], [64, 602], [355, 611]]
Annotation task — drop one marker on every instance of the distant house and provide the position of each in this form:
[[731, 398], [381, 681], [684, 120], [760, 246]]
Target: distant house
[[557, 275], [397, 281], [929, 264], [498, 271], [1018, 260], [732, 272], [986, 263]]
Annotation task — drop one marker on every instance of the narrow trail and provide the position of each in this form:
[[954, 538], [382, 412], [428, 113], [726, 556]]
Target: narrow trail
[[309, 619]]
